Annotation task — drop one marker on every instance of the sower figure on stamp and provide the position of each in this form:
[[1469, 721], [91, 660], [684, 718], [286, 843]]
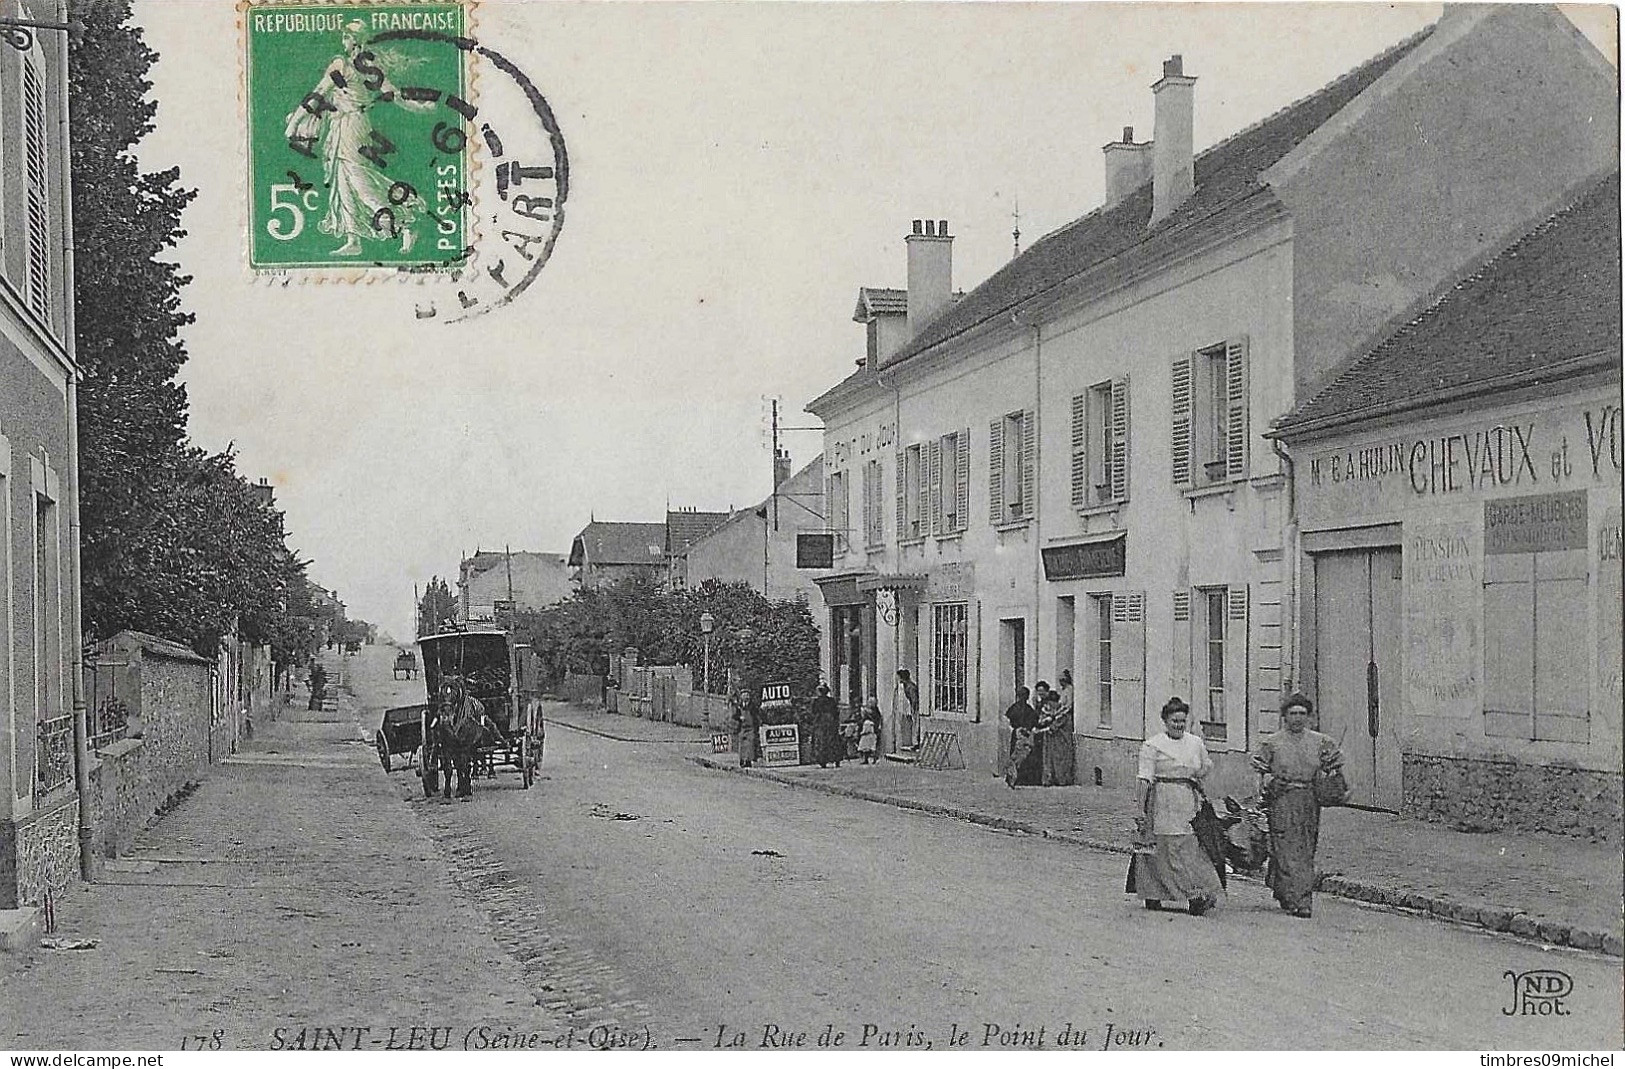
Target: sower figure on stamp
[[362, 200]]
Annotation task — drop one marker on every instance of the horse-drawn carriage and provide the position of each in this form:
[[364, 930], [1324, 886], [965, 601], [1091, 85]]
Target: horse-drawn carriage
[[502, 677], [406, 665]]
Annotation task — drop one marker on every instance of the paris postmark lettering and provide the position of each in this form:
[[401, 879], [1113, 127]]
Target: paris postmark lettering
[[384, 139]]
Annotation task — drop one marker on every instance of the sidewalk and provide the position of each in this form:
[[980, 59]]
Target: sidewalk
[[1559, 891], [293, 890]]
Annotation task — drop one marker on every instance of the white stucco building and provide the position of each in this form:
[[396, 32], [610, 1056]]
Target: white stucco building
[[1066, 467]]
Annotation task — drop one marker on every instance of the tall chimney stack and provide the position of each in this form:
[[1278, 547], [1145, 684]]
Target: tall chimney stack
[[930, 271], [1173, 167], [1128, 166], [781, 468]]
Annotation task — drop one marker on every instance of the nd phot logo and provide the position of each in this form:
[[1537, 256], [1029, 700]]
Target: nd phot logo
[[1538, 993]]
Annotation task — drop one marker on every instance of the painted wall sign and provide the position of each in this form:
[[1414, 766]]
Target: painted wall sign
[[1560, 449], [951, 582], [1087, 560], [1443, 592], [1537, 524], [780, 744], [1609, 610]]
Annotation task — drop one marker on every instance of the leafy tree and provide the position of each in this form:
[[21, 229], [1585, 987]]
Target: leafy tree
[[128, 317]]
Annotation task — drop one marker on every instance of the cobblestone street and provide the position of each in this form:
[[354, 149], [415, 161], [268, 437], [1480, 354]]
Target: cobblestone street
[[635, 891]]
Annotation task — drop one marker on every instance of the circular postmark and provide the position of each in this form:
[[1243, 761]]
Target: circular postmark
[[374, 150]]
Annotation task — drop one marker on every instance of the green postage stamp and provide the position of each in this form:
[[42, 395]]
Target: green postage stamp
[[358, 139]]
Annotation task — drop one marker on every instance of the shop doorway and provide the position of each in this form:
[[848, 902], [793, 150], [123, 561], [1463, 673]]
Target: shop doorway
[[1012, 659], [1357, 667], [852, 650]]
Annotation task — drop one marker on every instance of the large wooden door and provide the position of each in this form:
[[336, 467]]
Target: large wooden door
[[1357, 667]]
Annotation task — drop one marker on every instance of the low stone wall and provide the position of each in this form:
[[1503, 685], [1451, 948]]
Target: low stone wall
[[1561, 800], [122, 800], [40, 852]]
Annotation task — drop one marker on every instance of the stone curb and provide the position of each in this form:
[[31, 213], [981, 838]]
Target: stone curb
[[1493, 918], [625, 738]]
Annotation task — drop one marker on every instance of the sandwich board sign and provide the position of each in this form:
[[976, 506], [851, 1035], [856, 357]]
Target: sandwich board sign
[[781, 744]]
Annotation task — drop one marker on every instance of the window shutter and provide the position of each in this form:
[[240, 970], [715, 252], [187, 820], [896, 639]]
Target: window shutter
[[1029, 450], [902, 495], [995, 471], [1181, 438], [1235, 377], [38, 219], [1237, 661], [962, 481], [1119, 465], [1128, 665], [1180, 675], [936, 484], [922, 506], [868, 499], [1080, 449]]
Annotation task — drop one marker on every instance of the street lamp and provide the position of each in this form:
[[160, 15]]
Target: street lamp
[[708, 624]]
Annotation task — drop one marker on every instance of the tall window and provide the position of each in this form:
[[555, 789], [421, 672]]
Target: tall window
[[42, 603], [949, 657], [1216, 412], [38, 215], [1217, 602], [1210, 414], [837, 509], [1103, 658], [1011, 448], [911, 476], [874, 523], [953, 476]]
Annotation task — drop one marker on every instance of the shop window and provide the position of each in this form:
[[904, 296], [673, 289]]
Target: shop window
[[950, 657]]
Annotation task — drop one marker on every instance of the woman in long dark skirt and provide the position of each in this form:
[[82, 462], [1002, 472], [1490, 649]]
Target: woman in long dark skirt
[[828, 745], [1024, 766], [1287, 762]]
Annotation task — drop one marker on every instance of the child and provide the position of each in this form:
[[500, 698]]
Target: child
[[869, 734]]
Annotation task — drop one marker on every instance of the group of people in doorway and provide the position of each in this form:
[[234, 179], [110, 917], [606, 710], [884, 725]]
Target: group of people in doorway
[[1042, 750], [1178, 850]]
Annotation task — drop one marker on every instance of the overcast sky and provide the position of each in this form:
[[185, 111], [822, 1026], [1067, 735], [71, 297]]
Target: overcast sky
[[737, 172]]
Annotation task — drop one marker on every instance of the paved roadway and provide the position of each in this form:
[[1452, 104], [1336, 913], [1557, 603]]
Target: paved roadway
[[714, 907]]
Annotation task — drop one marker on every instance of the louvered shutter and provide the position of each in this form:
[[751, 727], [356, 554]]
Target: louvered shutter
[[1029, 453], [936, 484], [1236, 389], [902, 496], [1236, 663], [1128, 665], [868, 504], [922, 488], [1180, 675], [1080, 449], [995, 472], [1181, 436], [962, 481], [37, 216], [1119, 465]]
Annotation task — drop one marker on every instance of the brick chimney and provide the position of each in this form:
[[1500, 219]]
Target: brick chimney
[[930, 272], [781, 468], [1173, 170], [1128, 166]]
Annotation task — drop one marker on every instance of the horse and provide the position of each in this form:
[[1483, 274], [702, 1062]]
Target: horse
[[458, 731]]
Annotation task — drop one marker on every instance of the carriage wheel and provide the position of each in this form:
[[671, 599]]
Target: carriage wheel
[[382, 745], [527, 771]]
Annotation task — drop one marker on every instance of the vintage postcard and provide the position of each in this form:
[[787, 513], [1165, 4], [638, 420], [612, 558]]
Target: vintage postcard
[[757, 527]]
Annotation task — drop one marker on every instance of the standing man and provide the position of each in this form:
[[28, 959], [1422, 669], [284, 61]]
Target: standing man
[[906, 711]]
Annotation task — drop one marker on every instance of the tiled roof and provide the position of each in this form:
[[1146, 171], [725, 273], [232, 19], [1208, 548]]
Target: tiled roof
[[683, 529], [1225, 173], [877, 300], [620, 543], [1551, 297], [484, 560], [161, 646]]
